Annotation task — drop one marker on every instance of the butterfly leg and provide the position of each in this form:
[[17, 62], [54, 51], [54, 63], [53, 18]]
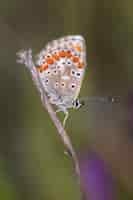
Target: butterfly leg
[[66, 115], [65, 118], [59, 110]]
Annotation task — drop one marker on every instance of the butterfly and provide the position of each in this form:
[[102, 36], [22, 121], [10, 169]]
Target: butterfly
[[60, 68]]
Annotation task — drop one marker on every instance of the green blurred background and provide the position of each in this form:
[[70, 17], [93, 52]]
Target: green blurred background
[[32, 161]]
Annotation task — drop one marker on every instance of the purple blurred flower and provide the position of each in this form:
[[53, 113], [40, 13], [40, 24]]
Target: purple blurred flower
[[96, 180], [130, 112]]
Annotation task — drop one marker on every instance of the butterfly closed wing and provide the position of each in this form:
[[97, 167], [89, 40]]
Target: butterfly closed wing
[[60, 67]]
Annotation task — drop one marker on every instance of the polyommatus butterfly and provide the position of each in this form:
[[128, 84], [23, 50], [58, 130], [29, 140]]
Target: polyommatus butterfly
[[60, 68]]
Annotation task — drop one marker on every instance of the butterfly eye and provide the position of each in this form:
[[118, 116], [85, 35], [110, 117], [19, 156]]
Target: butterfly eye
[[76, 104]]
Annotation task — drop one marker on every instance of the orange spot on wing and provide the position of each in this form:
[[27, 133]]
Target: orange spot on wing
[[81, 65], [75, 59], [62, 53], [38, 68], [45, 66], [49, 61], [78, 48], [56, 57], [41, 68], [68, 54]]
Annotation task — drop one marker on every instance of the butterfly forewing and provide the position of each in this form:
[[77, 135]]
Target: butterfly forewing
[[61, 66]]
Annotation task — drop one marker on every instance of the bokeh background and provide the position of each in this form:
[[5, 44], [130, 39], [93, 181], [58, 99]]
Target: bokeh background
[[32, 161]]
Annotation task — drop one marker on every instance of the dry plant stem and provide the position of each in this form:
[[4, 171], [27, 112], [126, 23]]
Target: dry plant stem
[[62, 133], [25, 57]]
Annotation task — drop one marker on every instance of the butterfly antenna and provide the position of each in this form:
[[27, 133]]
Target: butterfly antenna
[[107, 99]]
